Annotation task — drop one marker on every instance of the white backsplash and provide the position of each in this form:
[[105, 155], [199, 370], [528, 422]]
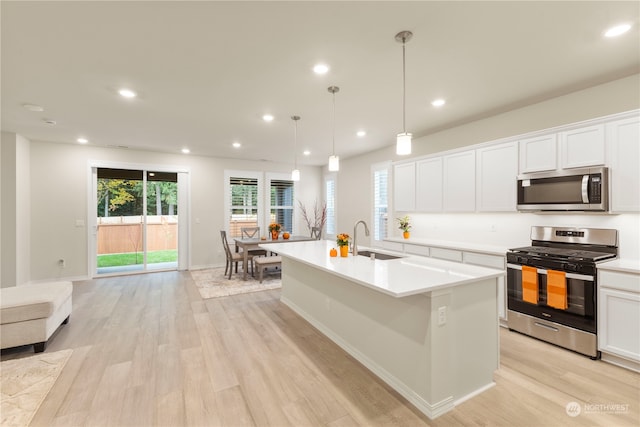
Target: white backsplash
[[513, 229]]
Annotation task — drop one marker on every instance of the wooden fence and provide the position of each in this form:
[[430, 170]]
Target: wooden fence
[[123, 237]]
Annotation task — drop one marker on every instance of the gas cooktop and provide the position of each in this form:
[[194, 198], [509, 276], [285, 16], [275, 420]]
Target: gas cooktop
[[563, 253]]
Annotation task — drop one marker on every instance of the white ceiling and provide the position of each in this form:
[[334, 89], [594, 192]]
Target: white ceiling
[[206, 72]]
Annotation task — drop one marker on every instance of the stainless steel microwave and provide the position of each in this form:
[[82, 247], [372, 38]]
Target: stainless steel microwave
[[584, 189]]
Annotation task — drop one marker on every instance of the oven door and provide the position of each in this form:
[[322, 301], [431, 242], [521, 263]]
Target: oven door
[[581, 299]]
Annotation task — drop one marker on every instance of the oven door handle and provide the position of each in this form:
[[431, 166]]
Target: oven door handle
[[567, 275]]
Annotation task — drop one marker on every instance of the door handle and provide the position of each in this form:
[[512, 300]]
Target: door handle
[[585, 188]]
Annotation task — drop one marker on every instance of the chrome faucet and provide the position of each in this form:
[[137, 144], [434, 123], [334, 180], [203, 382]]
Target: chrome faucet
[[355, 235]]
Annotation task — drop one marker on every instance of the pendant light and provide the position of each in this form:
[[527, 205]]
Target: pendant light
[[295, 173], [403, 140], [334, 161]]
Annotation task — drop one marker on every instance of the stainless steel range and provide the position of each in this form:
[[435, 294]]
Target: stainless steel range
[[552, 285]]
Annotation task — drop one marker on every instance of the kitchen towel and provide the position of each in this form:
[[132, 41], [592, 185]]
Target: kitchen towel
[[557, 289], [529, 284]]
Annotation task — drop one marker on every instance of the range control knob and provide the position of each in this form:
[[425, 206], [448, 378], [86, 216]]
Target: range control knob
[[522, 260], [572, 267]]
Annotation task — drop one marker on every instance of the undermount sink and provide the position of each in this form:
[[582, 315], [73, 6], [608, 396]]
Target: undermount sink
[[378, 255]]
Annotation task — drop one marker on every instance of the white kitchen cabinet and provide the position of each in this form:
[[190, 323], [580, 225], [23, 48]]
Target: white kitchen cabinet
[[416, 249], [496, 179], [619, 314], [582, 147], [429, 185], [539, 154], [404, 186], [624, 153], [492, 261], [459, 189], [448, 254]]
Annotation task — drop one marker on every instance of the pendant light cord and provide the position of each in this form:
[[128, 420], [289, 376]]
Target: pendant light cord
[[333, 124], [404, 90], [295, 144]]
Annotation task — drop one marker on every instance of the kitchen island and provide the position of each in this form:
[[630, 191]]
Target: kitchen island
[[427, 327]]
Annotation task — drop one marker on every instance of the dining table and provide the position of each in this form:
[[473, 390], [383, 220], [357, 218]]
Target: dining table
[[253, 243]]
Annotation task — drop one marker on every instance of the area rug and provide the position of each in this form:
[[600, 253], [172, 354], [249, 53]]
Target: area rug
[[212, 283], [26, 382]]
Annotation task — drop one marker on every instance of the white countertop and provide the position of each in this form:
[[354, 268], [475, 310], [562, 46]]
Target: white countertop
[[409, 275], [463, 246], [624, 265]]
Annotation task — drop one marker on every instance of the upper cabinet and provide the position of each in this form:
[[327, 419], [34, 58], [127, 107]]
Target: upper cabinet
[[483, 178], [624, 152], [539, 154], [429, 185], [459, 189], [496, 178], [582, 147], [404, 186]]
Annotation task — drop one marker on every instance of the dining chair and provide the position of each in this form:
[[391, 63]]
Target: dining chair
[[253, 233], [316, 233], [233, 257]]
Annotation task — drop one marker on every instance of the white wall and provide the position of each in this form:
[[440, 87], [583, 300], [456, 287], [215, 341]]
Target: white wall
[[512, 229], [60, 188], [15, 237]]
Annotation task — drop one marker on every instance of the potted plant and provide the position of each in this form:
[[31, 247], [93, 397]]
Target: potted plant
[[404, 225], [342, 240], [274, 228]]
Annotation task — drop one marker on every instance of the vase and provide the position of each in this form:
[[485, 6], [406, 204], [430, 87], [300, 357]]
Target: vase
[[405, 234], [274, 235], [344, 251]]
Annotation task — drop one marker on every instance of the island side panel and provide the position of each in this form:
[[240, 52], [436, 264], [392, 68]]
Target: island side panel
[[394, 337], [476, 347]]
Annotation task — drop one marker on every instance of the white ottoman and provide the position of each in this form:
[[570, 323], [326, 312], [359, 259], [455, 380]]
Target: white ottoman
[[30, 314]]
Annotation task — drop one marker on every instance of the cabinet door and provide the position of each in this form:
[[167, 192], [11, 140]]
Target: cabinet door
[[538, 154], [429, 185], [459, 190], [583, 147], [619, 319], [624, 143], [497, 178], [404, 187]]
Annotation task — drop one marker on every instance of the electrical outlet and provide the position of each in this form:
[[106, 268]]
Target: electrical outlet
[[442, 315], [62, 263]]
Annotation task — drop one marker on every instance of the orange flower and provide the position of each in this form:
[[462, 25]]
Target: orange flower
[[342, 239], [274, 226]]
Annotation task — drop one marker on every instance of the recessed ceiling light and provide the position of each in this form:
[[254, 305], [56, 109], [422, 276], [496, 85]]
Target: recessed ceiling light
[[82, 140], [267, 118], [306, 152], [33, 107], [127, 93], [438, 102], [617, 30], [186, 151], [320, 69], [236, 145], [361, 133]]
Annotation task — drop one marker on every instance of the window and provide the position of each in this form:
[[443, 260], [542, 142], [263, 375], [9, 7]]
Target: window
[[256, 199], [330, 197], [243, 204], [380, 176], [281, 203]]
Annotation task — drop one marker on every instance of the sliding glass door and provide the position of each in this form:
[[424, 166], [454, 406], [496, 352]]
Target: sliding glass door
[[137, 220]]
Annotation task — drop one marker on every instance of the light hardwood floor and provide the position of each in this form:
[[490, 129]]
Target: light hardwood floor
[[149, 351]]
